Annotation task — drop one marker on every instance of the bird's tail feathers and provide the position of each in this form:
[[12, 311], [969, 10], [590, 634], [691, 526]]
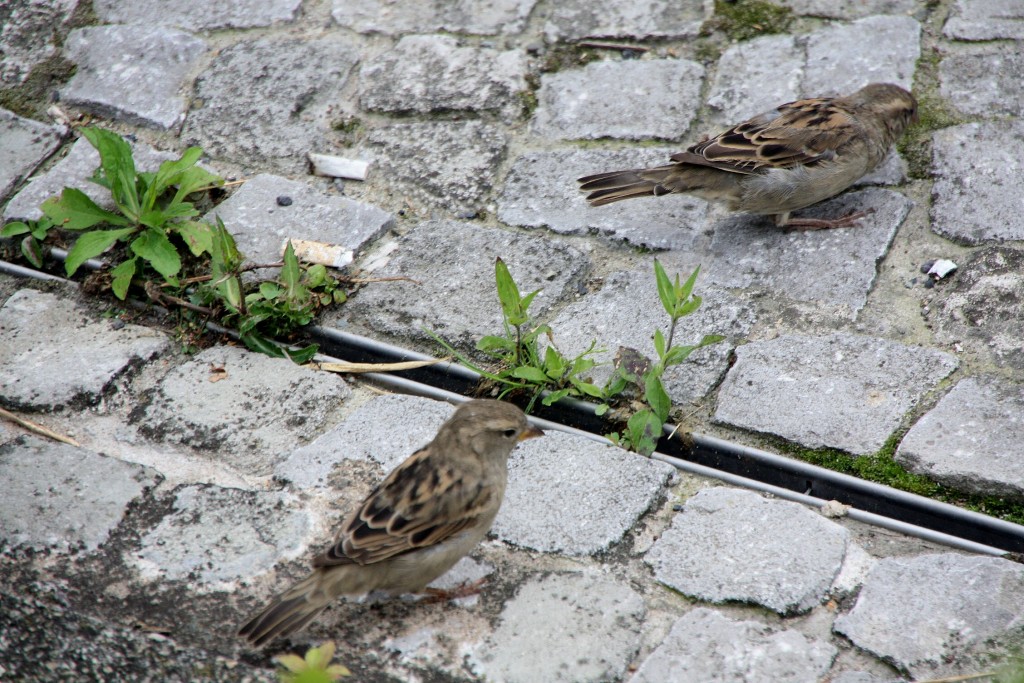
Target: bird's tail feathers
[[605, 188], [289, 612]]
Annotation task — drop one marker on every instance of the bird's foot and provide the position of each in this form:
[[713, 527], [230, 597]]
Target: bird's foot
[[847, 221], [463, 590]]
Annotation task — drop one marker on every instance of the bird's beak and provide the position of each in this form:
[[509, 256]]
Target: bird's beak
[[530, 432]]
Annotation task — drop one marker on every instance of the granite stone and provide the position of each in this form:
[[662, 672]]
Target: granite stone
[[977, 196], [65, 498], [24, 144], [838, 391], [655, 98], [136, 74], [731, 544]]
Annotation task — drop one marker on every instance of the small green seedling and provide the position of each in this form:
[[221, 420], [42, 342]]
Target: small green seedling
[[315, 667]]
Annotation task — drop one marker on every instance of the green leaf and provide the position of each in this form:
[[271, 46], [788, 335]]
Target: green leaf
[[683, 293], [74, 210], [508, 292], [223, 247], [677, 354], [32, 251], [122, 278], [554, 363], [666, 292], [589, 389], [555, 396], [491, 343], [169, 173], [15, 228], [41, 227], [656, 397], [339, 296], [270, 290], [303, 355], [154, 246], [530, 374], [257, 342], [644, 428], [659, 344], [291, 276], [194, 179], [118, 168], [198, 235], [601, 409], [315, 276], [92, 244], [524, 305]]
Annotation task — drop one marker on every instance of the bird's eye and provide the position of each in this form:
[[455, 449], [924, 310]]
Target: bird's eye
[[509, 433]]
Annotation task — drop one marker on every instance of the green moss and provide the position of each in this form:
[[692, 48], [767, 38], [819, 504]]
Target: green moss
[[916, 144], [568, 57], [746, 19], [31, 98], [882, 468]]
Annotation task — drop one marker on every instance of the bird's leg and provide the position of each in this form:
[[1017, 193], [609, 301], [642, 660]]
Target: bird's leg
[[846, 221], [463, 590]]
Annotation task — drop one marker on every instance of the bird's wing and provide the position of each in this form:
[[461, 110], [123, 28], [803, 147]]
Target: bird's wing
[[418, 505], [798, 133]]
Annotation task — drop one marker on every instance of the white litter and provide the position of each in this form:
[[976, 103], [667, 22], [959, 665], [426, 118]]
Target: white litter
[[338, 167], [941, 268], [332, 255]]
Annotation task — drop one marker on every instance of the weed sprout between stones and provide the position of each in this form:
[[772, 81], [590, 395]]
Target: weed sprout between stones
[[537, 371], [152, 238]]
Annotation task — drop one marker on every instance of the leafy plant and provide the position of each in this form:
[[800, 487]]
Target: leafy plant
[[315, 667], [32, 244], [524, 366], [151, 208], [277, 307], [644, 427]]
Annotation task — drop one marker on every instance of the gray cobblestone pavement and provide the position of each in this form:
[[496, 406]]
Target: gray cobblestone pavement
[[203, 483]]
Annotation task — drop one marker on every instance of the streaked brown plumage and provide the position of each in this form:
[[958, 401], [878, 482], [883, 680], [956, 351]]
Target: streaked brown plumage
[[428, 513], [785, 159]]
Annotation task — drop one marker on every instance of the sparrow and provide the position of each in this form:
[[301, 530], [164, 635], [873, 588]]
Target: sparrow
[[427, 514], [785, 159]]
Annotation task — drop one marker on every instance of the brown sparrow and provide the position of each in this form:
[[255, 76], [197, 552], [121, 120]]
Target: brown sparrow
[[423, 518], [785, 159]]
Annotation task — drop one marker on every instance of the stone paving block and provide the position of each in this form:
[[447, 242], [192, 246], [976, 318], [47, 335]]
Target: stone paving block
[[985, 20], [433, 73], [844, 57], [627, 310], [249, 418], [199, 16], [24, 144], [986, 81], [74, 170], [574, 627], [541, 191], [27, 35], [444, 164], [486, 17], [756, 76], [834, 266], [730, 544], [453, 264], [574, 496], [261, 225], [266, 102], [976, 196], [65, 498], [52, 354], [980, 306], [655, 98], [575, 19], [937, 613], [369, 435], [839, 391], [849, 9], [216, 536], [706, 646], [972, 439], [136, 74]]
